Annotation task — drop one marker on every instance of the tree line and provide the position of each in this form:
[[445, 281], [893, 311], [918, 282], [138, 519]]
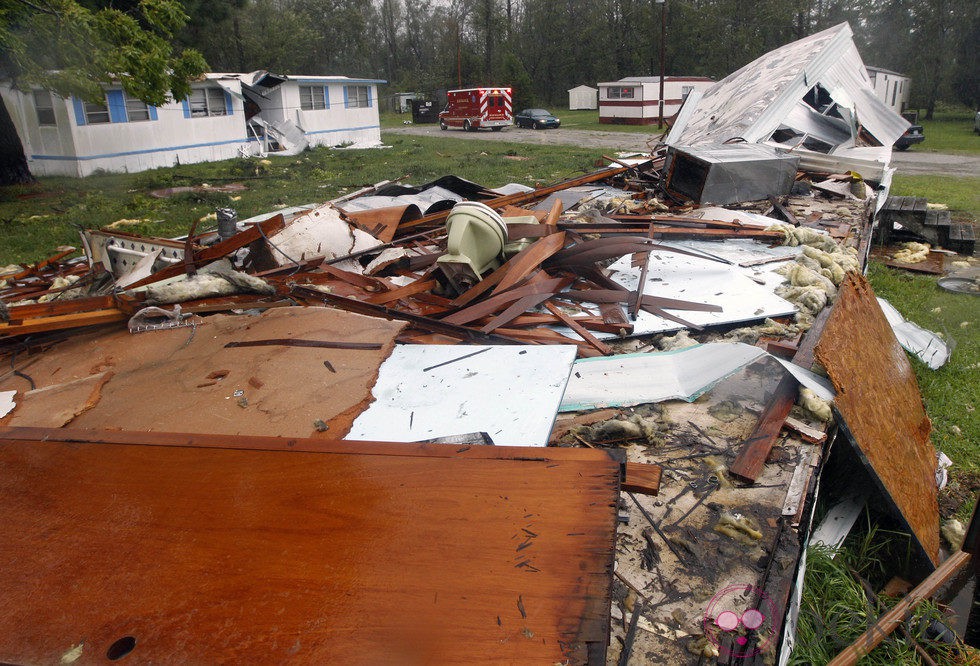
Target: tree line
[[539, 47], [544, 47]]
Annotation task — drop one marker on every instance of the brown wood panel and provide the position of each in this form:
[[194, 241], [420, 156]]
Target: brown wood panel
[[210, 555], [879, 400], [187, 380]]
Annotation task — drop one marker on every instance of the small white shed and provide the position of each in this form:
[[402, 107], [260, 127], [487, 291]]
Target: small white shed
[[890, 87], [583, 97], [635, 100]]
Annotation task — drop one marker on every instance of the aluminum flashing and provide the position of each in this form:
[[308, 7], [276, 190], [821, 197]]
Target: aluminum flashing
[[672, 275], [879, 401], [684, 374], [427, 391], [725, 174], [180, 553], [633, 379], [926, 345]]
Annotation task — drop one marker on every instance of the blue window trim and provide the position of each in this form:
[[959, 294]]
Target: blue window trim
[[326, 97], [229, 105], [186, 103], [79, 107], [370, 100], [346, 99], [153, 111], [117, 106]]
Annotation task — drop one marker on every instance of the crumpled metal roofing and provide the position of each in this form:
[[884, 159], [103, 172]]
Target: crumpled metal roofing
[[754, 101]]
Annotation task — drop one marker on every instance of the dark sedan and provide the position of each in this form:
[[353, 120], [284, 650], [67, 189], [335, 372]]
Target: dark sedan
[[536, 118]]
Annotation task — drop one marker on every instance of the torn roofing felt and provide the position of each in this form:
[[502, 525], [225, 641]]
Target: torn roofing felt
[[812, 96]]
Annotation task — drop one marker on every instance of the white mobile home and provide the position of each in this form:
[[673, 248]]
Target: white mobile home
[[636, 100], [583, 97], [891, 88], [226, 115]]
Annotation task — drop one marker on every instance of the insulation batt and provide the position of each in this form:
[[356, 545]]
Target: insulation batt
[[818, 407], [217, 279], [912, 253]]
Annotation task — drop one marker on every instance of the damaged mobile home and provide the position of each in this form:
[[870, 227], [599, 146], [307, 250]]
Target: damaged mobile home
[[225, 116], [447, 422]]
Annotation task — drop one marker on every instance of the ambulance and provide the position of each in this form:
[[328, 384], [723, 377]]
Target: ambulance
[[473, 108]]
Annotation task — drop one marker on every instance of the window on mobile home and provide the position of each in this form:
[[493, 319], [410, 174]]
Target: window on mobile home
[[621, 93], [136, 110], [44, 107], [96, 113], [358, 97], [207, 102], [312, 98]]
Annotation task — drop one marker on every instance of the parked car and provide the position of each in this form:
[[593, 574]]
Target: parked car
[[536, 118], [913, 134]]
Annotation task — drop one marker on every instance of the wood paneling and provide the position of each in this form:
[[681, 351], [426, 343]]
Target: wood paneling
[[384, 555], [879, 400], [188, 380]]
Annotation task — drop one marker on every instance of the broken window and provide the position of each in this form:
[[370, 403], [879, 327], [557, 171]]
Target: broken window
[[620, 92], [357, 97], [96, 114], [136, 110], [44, 107], [207, 102], [313, 98]]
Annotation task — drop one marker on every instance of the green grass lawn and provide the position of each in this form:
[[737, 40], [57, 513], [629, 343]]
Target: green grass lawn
[[950, 131], [35, 219], [961, 194]]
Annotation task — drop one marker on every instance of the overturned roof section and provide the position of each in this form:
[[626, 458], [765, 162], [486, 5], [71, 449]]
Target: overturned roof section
[[763, 102]]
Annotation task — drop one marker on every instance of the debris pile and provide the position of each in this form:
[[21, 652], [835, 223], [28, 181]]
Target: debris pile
[[623, 331]]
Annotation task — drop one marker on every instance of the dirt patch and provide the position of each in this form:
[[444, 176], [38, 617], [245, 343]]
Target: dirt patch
[[962, 487]]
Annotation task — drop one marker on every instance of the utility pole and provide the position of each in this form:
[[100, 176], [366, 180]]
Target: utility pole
[[663, 57]]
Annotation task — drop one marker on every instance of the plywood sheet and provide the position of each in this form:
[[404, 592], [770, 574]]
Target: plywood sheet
[[321, 554], [879, 400], [186, 380], [427, 391]]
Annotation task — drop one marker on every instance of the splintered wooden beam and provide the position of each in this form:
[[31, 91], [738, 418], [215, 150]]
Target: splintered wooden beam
[[39, 266], [900, 612], [178, 552], [62, 322], [751, 458], [569, 321]]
